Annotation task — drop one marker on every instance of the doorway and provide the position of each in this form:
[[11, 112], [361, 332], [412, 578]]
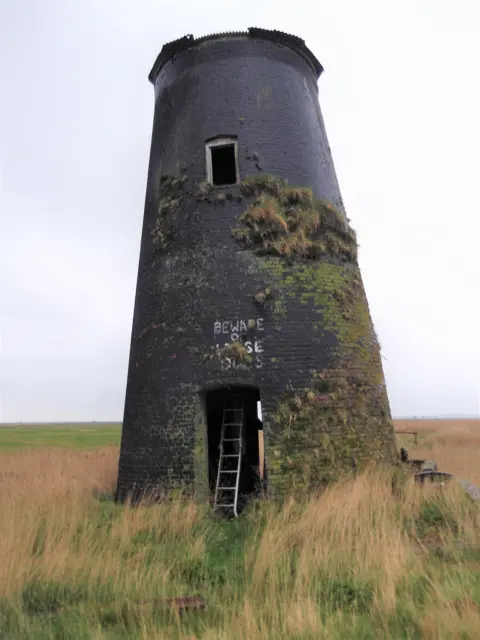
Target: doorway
[[252, 465]]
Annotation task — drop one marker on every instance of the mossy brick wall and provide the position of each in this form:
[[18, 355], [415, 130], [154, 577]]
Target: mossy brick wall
[[196, 285], [340, 419]]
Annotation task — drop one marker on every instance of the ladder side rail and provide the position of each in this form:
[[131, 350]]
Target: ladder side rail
[[237, 482]]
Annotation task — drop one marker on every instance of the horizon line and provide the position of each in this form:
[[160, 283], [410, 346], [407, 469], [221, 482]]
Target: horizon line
[[400, 417]]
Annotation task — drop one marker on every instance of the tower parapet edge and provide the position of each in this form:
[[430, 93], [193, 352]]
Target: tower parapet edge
[[296, 44]]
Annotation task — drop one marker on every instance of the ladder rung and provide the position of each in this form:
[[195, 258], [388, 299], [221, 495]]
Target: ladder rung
[[232, 425]]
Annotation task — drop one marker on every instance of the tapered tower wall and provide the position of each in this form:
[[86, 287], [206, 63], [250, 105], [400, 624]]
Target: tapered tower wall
[[281, 284]]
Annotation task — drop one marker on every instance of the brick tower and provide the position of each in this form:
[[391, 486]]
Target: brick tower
[[248, 282]]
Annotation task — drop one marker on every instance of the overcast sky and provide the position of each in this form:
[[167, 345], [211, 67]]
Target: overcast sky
[[401, 99]]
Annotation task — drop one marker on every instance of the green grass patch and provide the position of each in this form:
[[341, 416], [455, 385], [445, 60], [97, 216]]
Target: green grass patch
[[62, 435]]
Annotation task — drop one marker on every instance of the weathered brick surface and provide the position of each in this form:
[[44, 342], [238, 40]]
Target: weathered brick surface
[[266, 95]]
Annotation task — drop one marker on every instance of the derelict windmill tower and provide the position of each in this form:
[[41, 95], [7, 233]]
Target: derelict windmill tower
[[248, 285]]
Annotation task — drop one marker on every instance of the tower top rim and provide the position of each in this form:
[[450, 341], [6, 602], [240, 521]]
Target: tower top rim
[[296, 44]]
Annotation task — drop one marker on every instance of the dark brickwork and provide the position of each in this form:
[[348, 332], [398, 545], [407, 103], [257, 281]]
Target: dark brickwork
[[196, 277]]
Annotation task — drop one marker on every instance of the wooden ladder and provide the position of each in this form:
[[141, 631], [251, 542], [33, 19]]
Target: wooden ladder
[[231, 442]]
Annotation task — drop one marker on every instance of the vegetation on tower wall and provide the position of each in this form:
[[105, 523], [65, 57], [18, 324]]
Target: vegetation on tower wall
[[288, 222], [308, 252], [235, 351], [171, 195], [305, 253]]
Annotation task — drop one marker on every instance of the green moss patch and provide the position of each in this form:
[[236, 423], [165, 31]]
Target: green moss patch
[[335, 426], [341, 421]]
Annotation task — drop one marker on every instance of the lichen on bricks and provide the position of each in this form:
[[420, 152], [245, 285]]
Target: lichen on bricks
[[171, 194]]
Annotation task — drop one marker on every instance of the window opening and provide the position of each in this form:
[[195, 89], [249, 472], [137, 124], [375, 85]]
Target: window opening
[[222, 160]]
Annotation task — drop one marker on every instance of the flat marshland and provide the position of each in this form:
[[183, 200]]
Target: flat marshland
[[360, 561]]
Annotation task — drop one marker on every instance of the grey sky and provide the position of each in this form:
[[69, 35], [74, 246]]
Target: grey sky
[[401, 100]]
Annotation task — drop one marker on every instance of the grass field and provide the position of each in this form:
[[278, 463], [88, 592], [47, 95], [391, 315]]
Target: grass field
[[78, 435], [357, 562], [454, 444]]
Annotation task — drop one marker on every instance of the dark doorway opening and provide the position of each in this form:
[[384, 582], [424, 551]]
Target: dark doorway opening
[[224, 165], [251, 481]]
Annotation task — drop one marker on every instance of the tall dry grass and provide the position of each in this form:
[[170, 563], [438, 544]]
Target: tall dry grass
[[54, 528], [46, 493], [354, 562]]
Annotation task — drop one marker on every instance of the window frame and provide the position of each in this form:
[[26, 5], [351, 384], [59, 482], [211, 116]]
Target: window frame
[[221, 141]]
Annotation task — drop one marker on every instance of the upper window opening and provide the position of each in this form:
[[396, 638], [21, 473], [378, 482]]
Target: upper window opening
[[222, 160]]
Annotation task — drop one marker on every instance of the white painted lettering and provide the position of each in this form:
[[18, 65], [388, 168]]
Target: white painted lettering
[[258, 346], [237, 326], [233, 329]]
